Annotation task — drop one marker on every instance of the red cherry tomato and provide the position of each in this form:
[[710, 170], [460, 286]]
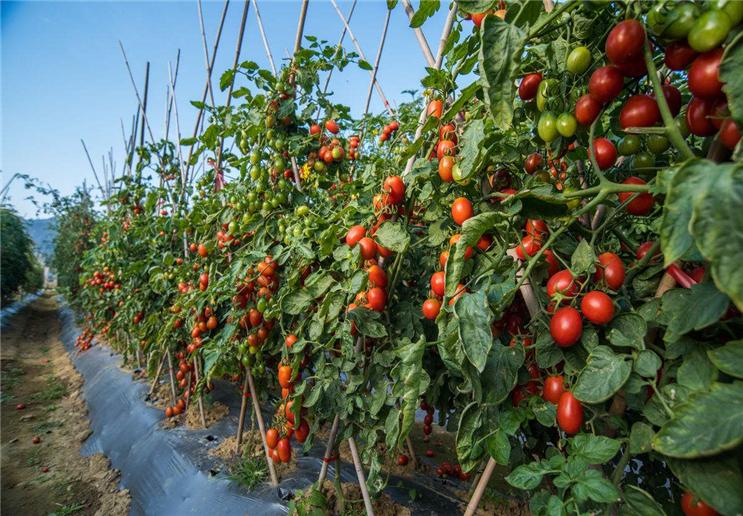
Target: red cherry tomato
[[529, 85], [587, 109], [569, 413], [704, 75], [597, 307], [461, 210], [529, 246], [368, 248], [355, 233], [673, 98], [693, 506], [697, 116], [533, 162], [625, 42], [566, 326], [642, 204], [679, 55], [611, 270], [554, 386], [431, 308], [395, 188], [729, 134], [376, 299], [562, 282], [437, 283], [639, 111], [605, 84], [606, 152]]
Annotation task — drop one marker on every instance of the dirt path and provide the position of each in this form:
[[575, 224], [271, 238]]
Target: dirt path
[[50, 476]]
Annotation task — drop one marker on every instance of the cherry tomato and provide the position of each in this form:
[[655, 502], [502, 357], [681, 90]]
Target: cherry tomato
[[368, 248], [587, 109], [710, 29], [272, 438], [285, 376], [605, 84], [629, 145], [569, 413], [566, 326], [437, 283], [597, 307], [697, 116], [606, 153], [679, 55], [529, 246], [402, 460], [642, 203], [377, 276], [302, 432], [562, 282], [547, 126], [376, 299], [529, 85], [431, 308], [446, 165], [284, 448], [625, 42], [704, 74], [435, 108], [657, 143], [611, 270], [673, 98], [461, 210], [355, 233], [732, 8], [554, 386], [533, 162], [552, 264], [395, 188], [566, 125], [445, 148], [536, 228], [578, 61], [729, 134], [639, 111], [693, 506]]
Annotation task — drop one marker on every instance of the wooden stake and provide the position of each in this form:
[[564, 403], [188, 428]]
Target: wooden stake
[[328, 452], [411, 451], [261, 426], [300, 26], [172, 377], [480, 489], [263, 36], [376, 66], [157, 375], [243, 409], [422, 42], [144, 103], [360, 476], [340, 45], [200, 401]]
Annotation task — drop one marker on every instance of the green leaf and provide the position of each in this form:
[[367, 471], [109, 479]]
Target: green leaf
[[426, 9], [716, 481], [692, 309], [469, 424], [472, 230], [227, 77], [640, 503], [730, 67], [647, 363], [296, 303], [708, 423], [393, 236], [526, 476], [593, 449], [628, 330], [729, 358], [472, 153], [499, 447], [474, 316], [414, 380], [715, 225], [501, 372], [364, 65], [583, 258], [545, 412], [696, 372], [367, 322], [640, 438], [591, 485], [501, 45], [476, 6], [604, 374]]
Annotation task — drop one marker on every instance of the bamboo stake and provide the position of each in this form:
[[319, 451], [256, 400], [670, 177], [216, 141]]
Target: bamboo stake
[[172, 377], [157, 376], [377, 60], [480, 489], [411, 451], [200, 401], [200, 113], [360, 476], [422, 41], [328, 451], [243, 409], [261, 427], [300, 26], [436, 64], [361, 53], [241, 33], [144, 104], [141, 110], [340, 45], [170, 98], [209, 64], [263, 36], [95, 174]]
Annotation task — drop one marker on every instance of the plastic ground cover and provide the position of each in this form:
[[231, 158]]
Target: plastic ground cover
[[169, 471]]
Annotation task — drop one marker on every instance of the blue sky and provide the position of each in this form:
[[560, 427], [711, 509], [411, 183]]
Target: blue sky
[[63, 76]]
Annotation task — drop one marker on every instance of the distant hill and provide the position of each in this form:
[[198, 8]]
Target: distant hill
[[42, 233]]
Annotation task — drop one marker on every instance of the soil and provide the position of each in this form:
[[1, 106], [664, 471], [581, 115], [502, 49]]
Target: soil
[[51, 476], [354, 503]]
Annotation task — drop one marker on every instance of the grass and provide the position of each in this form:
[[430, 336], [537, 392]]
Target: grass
[[10, 379], [64, 510], [250, 472], [34, 459], [53, 391], [46, 425]]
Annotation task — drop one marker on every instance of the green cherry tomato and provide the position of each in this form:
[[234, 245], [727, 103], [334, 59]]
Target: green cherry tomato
[[456, 174], [303, 210], [566, 124], [232, 227], [733, 8], [681, 20], [709, 30], [643, 161], [547, 126], [658, 144], [544, 90], [682, 126], [255, 157], [542, 176], [297, 231], [629, 145], [319, 166], [260, 305], [579, 59]]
